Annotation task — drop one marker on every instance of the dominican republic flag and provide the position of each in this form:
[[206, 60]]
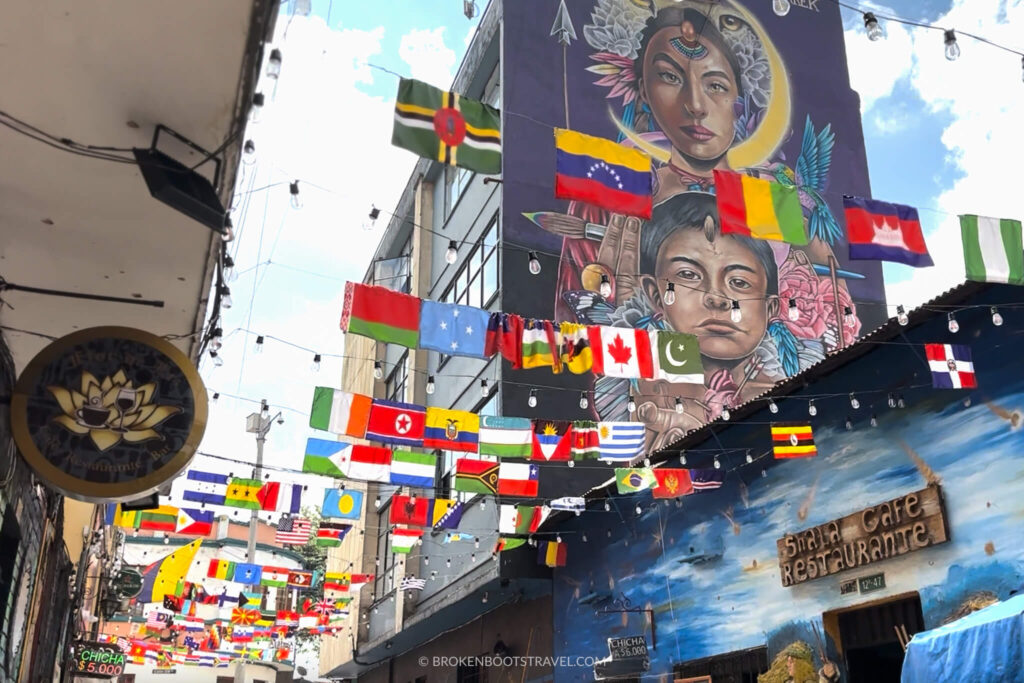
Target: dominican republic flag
[[882, 231], [951, 366]]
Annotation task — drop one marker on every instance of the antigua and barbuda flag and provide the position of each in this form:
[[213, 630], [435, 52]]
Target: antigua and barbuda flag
[[882, 231], [951, 366]]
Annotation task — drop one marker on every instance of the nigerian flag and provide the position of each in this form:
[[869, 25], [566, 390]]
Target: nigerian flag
[[993, 250], [447, 127]]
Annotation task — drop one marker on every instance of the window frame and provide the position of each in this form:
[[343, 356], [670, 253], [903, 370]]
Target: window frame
[[444, 475], [391, 390]]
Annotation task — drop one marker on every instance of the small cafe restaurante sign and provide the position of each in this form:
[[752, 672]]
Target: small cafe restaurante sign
[[896, 527]]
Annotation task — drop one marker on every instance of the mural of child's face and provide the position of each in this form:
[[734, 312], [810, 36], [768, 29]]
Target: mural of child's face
[[691, 97], [726, 271]]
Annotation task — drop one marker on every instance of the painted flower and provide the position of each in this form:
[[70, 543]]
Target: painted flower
[[851, 323], [800, 283], [722, 392], [111, 410], [617, 73]]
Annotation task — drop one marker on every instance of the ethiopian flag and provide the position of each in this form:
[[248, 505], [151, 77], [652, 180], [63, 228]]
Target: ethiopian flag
[[759, 208], [447, 127]]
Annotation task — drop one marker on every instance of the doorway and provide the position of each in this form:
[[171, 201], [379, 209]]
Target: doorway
[[868, 640]]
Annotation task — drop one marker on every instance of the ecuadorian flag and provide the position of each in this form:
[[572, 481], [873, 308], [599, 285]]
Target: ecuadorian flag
[[452, 430], [602, 173]]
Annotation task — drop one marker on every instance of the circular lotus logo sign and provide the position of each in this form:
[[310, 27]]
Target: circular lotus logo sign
[[108, 413]]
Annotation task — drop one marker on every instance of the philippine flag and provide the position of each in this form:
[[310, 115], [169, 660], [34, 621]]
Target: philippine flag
[[881, 231]]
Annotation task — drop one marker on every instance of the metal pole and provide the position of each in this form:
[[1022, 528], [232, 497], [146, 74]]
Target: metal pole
[[250, 552]]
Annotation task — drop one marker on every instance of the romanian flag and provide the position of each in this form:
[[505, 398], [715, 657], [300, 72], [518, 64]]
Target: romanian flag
[[759, 208], [451, 430], [447, 127], [381, 314], [793, 440], [551, 553], [602, 173]]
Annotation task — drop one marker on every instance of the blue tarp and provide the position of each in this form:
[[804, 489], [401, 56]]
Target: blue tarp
[[987, 645]]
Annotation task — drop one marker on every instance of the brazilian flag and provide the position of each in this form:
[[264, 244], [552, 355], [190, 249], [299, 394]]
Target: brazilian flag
[[633, 479]]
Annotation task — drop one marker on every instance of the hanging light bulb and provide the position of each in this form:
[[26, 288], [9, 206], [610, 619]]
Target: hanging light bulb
[[854, 402], [228, 234], [605, 289], [264, 408], [451, 255], [483, 503], [631, 404], [874, 420], [256, 111], [781, 7], [376, 502], [583, 537], [849, 424], [872, 27], [952, 324], [448, 562], [571, 463], [225, 297], [726, 414], [249, 153], [647, 461], [670, 293], [274, 64], [812, 409], [532, 401], [430, 384], [718, 465], [764, 474], [682, 458], [900, 403], [217, 360], [258, 347], [230, 274], [378, 370], [848, 319], [750, 458], [952, 48], [484, 391], [534, 264], [607, 506], [558, 538], [216, 395], [578, 512], [484, 599], [901, 316], [997, 318], [315, 367], [472, 558], [735, 314], [217, 339], [794, 312], [584, 401], [476, 543], [679, 406], [639, 510], [892, 400], [773, 407], [293, 190]]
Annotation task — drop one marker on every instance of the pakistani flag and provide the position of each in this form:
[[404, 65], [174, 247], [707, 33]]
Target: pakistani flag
[[446, 127], [677, 357], [993, 249]]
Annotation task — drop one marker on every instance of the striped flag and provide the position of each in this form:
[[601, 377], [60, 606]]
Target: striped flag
[[324, 456], [706, 479], [506, 437], [413, 469], [403, 540], [205, 487], [330, 534], [411, 583], [292, 531], [552, 553], [793, 440], [340, 412], [278, 497], [993, 250], [620, 441]]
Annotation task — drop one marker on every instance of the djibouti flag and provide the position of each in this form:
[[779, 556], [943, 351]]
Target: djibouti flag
[[447, 127], [993, 249]]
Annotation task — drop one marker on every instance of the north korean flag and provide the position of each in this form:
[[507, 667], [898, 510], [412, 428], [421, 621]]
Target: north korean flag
[[399, 424], [881, 231]]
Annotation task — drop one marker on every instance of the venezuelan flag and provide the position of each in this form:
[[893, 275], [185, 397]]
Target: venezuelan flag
[[602, 173], [759, 208]]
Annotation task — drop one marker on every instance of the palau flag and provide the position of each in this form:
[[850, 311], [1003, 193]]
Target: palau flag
[[603, 173], [759, 208]]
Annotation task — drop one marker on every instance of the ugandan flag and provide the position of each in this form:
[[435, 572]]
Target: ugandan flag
[[793, 440], [447, 127]]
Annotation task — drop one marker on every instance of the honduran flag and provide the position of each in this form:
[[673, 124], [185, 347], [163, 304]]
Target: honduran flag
[[882, 231]]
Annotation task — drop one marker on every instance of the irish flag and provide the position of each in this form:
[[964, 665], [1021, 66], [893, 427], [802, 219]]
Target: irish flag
[[381, 314], [403, 540], [759, 208], [993, 250], [340, 412]]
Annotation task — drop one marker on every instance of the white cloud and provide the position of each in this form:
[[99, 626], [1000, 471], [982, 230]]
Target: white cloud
[[891, 120], [429, 59], [876, 67]]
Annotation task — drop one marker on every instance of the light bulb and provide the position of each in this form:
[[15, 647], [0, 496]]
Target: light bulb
[[735, 314], [952, 48], [430, 384], [750, 458], [472, 558], [849, 424], [264, 408], [532, 401], [854, 402], [217, 360], [484, 391], [452, 253], [726, 414], [448, 562], [781, 7], [249, 153], [256, 111], [293, 190], [584, 537], [606, 287], [848, 318], [764, 474], [773, 407], [476, 543], [484, 599], [534, 264], [682, 458], [571, 463], [679, 406], [794, 312], [609, 532], [258, 346], [670, 293], [166, 540], [578, 512], [953, 325], [997, 318], [315, 366], [225, 297], [892, 400], [631, 404], [718, 465], [483, 503], [901, 316], [217, 339], [584, 401], [874, 420], [812, 409], [274, 64], [230, 274], [216, 395], [639, 510], [376, 502], [647, 462], [607, 507], [900, 403], [228, 234], [558, 538], [378, 370], [872, 26]]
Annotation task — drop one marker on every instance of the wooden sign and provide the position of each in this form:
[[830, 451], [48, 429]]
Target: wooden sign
[[896, 527]]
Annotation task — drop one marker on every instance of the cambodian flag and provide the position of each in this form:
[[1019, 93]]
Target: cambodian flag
[[881, 231]]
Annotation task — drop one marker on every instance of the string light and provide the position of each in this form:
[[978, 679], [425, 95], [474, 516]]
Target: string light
[[718, 465], [216, 395], [293, 190], [558, 538], [532, 401], [607, 506], [583, 537], [872, 27], [257, 107], [483, 503], [639, 510], [682, 458], [750, 458], [726, 414], [900, 403], [849, 424], [217, 360], [670, 293], [952, 324], [274, 64], [781, 7], [249, 153], [534, 264], [484, 599], [874, 420], [217, 339], [584, 401], [848, 318], [230, 274], [892, 400], [854, 402], [484, 391], [952, 48], [764, 474], [609, 532], [647, 462], [378, 370], [773, 407], [472, 558], [430, 384], [452, 253], [258, 347], [812, 409], [605, 289], [225, 297], [448, 562], [901, 316], [736, 315], [376, 503], [997, 318], [631, 404], [794, 312], [315, 367], [679, 405]]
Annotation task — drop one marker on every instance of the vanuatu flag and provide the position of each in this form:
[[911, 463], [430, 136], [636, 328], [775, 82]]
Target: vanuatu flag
[[476, 476], [447, 127], [603, 173], [759, 208], [381, 314], [793, 440]]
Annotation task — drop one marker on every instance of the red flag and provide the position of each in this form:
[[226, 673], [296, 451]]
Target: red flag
[[392, 422], [412, 510], [672, 483], [505, 336], [381, 314]]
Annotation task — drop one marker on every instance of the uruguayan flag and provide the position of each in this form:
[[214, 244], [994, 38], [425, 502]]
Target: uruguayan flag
[[620, 441]]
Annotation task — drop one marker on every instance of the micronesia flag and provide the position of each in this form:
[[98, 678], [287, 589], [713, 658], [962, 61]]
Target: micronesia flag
[[881, 231]]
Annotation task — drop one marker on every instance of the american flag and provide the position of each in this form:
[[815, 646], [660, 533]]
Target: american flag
[[293, 531], [411, 583]]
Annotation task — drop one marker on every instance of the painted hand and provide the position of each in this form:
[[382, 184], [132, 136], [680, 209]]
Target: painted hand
[[619, 256]]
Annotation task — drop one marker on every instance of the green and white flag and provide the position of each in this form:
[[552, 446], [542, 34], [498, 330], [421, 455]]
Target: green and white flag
[[447, 127], [993, 249], [676, 357]]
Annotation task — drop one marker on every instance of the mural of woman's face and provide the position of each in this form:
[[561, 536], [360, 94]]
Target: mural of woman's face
[[691, 88], [709, 276]]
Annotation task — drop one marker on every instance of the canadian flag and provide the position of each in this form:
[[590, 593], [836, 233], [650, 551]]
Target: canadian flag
[[621, 352]]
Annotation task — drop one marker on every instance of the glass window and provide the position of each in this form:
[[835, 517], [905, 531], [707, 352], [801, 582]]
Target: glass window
[[447, 460], [398, 381], [384, 579]]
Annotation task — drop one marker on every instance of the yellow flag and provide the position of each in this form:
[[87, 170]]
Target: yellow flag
[[172, 569]]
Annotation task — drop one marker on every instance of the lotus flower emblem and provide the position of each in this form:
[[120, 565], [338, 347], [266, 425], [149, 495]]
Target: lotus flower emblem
[[111, 410]]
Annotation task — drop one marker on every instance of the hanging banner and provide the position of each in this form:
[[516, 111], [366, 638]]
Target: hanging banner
[[108, 413]]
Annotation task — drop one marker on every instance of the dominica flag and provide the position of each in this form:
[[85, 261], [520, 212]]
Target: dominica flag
[[447, 127], [793, 440]]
